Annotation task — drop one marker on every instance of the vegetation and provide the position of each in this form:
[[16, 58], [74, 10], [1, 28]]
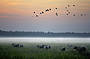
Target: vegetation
[[31, 51], [41, 34]]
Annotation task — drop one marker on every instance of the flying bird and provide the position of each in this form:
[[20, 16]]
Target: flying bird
[[68, 5], [73, 5], [65, 7], [67, 14], [42, 12], [81, 14], [37, 16], [56, 14], [73, 14], [56, 8], [84, 14], [33, 12], [49, 9]]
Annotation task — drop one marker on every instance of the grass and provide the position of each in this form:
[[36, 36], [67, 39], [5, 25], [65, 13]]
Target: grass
[[30, 51]]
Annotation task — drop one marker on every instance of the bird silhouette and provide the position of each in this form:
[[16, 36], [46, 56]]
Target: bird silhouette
[[73, 14], [42, 12], [68, 11], [49, 9], [84, 14], [33, 12], [56, 8], [73, 5], [65, 7], [56, 14], [67, 14], [37, 16], [68, 5], [81, 14]]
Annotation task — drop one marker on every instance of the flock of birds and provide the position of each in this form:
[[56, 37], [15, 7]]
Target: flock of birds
[[67, 11]]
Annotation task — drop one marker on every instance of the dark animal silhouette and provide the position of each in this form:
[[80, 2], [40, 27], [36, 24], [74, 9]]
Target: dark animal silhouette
[[42, 12], [68, 5], [65, 7], [17, 45], [73, 14], [47, 10], [56, 8], [37, 16], [81, 14], [63, 49], [21, 45], [68, 11], [56, 14], [80, 49], [44, 46], [33, 12], [73, 5]]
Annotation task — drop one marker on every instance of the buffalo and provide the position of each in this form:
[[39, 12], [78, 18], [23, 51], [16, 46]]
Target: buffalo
[[44, 46], [63, 49], [17, 45], [80, 49]]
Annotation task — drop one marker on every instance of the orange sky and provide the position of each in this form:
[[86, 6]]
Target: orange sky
[[26, 7], [17, 14]]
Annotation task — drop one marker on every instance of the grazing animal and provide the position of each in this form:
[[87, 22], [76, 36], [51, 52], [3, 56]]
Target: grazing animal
[[17, 45], [75, 47], [21, 45], [44, 46], [47, 47], [80, 49], [63, 49]]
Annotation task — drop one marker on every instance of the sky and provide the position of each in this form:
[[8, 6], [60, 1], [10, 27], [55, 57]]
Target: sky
[[17, 15]]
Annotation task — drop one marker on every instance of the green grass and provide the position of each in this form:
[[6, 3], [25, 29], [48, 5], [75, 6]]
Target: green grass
[[30, 51]]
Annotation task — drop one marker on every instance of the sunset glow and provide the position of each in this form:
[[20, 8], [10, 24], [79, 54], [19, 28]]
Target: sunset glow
[[18, 15]]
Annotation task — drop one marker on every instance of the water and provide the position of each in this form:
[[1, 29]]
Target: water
[[45, 40]]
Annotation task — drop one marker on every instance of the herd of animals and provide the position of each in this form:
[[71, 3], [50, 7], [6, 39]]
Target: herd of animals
[[17, 45], [67, 11], [47, 47]]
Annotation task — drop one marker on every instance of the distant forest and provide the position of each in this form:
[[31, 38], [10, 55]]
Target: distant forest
[[41, 34]]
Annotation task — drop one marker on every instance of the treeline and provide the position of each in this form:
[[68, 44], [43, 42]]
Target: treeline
[[41, 34]]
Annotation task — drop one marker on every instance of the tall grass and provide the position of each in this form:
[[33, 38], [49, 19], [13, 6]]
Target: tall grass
[[30, 51]]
